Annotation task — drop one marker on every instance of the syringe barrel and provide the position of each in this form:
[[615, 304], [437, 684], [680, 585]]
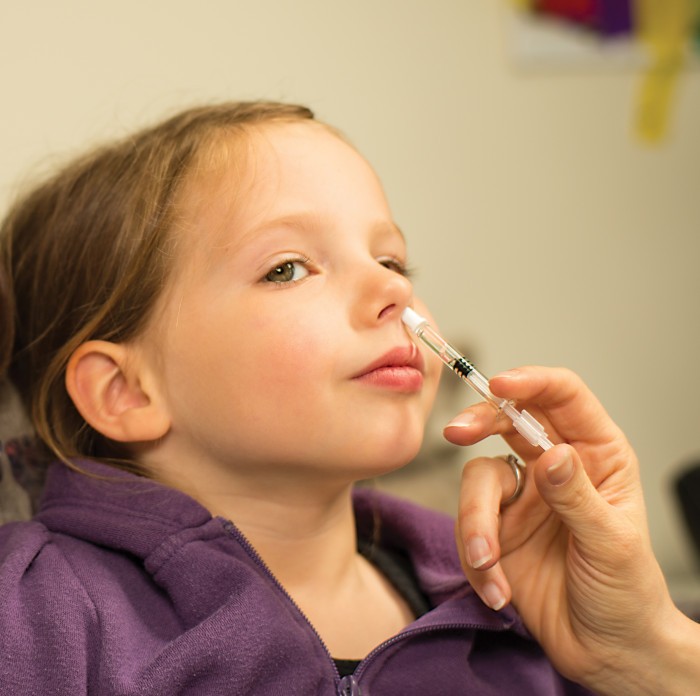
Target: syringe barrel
[[481, 384], [441, 347], [459, 364]]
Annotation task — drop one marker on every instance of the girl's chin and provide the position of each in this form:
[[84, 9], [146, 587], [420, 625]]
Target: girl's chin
[[390, 464]]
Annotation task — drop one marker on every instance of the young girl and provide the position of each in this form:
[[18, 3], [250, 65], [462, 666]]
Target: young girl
[[205, 322]]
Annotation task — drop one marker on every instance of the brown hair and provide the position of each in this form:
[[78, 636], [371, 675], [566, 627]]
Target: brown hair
[[86, 255]]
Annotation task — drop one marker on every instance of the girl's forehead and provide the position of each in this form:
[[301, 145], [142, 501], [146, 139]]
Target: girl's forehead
[[242, 150], [239, 164], [268, 167]]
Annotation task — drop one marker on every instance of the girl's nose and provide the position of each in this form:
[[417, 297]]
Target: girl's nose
[[384, 294]]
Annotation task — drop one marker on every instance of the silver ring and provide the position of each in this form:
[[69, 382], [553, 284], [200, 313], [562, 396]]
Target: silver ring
[[515, 465]]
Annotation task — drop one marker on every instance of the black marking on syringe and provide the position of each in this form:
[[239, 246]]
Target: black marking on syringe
[[463, 367]]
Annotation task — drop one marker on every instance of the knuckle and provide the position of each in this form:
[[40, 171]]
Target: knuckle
[[473, 518], [482, 467]]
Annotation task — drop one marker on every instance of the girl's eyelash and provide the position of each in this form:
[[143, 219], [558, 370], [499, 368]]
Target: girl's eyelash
[[399, 266]]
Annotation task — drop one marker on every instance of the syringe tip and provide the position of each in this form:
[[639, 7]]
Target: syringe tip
[[412, 319]]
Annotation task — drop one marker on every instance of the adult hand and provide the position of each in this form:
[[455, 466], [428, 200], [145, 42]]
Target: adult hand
[[573, 553]]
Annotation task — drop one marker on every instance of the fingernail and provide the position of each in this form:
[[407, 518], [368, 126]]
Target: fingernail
[[493, 596], [478, 552], [509, 374], [464, 420], [561, 471]]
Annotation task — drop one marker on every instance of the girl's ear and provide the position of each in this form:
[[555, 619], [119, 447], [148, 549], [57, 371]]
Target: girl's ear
[[115, 393]]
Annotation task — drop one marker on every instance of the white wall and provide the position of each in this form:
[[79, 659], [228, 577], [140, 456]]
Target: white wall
[[542, 229]]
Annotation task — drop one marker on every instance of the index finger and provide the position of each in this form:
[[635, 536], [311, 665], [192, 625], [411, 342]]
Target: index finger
[[570, 406]]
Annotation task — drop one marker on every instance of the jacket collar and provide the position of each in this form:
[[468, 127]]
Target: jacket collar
[[428, 539], [115, 509]]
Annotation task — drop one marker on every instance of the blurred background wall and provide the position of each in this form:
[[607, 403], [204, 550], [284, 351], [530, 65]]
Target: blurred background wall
[[542, 229]]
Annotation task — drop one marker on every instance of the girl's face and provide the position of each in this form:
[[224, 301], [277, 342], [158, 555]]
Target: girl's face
[[280, 344]]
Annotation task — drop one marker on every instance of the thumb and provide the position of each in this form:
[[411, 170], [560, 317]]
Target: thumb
[[564, 486]]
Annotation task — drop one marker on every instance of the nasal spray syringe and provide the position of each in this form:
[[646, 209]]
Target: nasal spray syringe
[[523, 422]]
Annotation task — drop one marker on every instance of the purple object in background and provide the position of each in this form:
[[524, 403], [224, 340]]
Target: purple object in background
[[606, 18], [615, 17]]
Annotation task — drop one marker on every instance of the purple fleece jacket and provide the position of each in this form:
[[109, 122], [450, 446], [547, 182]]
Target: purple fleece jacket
[[123, 587]]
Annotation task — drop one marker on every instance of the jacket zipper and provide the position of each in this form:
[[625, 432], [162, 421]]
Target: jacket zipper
[[231, 528], [410, 633]]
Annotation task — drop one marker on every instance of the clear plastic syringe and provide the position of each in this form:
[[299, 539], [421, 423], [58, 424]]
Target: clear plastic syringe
[[523, 422]]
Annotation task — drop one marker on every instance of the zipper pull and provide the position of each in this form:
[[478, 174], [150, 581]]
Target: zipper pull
[[348, 686]]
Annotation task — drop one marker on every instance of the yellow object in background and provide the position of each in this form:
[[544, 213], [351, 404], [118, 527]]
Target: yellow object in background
[[666, 28]]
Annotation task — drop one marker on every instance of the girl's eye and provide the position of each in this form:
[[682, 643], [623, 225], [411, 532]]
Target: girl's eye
[[287, 272], [397, 266]]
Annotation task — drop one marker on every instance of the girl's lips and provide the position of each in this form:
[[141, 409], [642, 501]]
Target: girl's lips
[[401, 369]]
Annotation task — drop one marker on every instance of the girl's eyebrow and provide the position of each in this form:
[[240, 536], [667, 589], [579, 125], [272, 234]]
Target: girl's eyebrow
[[386, 231], [394, 228], [312, 220], [231, 240], [291, 220], [268, 228]]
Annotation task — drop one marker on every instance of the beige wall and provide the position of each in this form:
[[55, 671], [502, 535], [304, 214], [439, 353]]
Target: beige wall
[[542, 230]]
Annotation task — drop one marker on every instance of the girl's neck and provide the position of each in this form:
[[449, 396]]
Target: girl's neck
[[305, 533], [302, 527], [310, 546], [305, 540]]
